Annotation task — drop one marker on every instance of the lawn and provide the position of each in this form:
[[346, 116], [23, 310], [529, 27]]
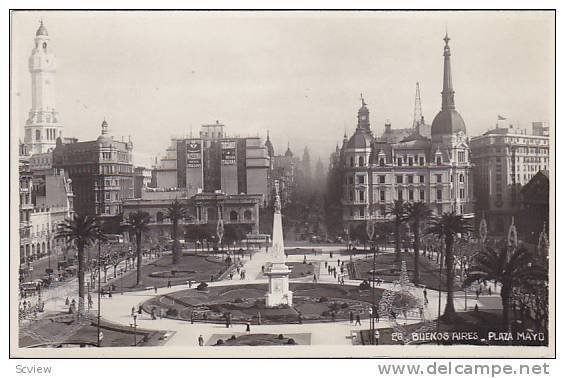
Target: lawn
[[388, 270], [311, 303], [57, 332], [159, 272]]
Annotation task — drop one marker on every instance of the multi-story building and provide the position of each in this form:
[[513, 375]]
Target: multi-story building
[[101, 172], [141, 180], [505, 159], [215, 162], [437, 171]]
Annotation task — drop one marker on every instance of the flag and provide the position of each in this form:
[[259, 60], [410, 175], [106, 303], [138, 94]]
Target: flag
[[501, 118]]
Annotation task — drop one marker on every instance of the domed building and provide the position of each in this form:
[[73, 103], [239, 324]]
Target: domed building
[[437, 171]]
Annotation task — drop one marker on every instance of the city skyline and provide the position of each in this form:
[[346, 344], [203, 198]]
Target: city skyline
[[287, 86]]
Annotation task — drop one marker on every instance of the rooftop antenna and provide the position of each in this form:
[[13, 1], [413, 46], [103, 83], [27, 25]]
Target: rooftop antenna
[[418, 117]]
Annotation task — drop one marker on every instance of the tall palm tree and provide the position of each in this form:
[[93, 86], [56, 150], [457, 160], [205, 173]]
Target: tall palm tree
[[447, 226], [416, 213], [138, 224], [510, 266], [82, 230], [398, 210], [175, 212]]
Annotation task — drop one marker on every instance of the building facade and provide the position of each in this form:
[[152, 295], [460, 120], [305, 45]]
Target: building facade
[[437, 171], [505, 159], [101, 172], [215, 162]]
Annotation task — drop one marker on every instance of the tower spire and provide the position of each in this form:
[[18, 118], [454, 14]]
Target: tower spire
[[418, 117], [447, 94]]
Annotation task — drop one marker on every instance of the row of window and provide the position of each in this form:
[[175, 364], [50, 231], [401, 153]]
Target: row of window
[[409, 161], [400, 195], [382, 211], [401, 179]]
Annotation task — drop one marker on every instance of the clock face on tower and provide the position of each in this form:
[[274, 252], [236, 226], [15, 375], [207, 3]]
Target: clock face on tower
[[363, 118]]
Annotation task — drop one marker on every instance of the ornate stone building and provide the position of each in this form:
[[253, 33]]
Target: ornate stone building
[[375, 172]]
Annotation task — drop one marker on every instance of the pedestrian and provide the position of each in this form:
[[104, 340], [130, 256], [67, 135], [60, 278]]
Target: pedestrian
[[335, 273], [350, 317], [325, 264], [237, 269], [258, 317], [231, 275], [155, 287], [315, 280], [304, 261], [168, 283], [227, 320], [377, 336], [477, 293], [200, 340], [476, 307], [489, 291], [248, 327], [338, 262], [357, 319], [377, 316], [132, 310], [262, 268], [421, 311], [425, 296], [189, 284]]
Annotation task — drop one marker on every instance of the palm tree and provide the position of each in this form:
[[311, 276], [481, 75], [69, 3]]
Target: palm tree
[[416, 213], [138, 224], [82, 230], [398, 210], [510, 266], [175, 212], [447, 226]]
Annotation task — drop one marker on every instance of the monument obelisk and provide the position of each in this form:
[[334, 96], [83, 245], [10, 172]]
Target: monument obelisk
[[278, 273]]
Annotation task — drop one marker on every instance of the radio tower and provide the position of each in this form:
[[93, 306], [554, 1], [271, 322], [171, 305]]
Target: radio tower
[[418, 117]]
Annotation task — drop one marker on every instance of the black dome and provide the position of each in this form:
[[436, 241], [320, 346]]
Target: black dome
[[448, 121]]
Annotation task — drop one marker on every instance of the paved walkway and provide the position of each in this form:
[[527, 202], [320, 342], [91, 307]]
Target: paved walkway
[[182, 333]]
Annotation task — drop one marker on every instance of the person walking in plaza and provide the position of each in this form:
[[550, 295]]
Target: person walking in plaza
[[315, 279], [350, 317], [358, 319], [425, 296], [489, 291], [248, 327], [258, 317], [155, 287], [132, 310], [377, 336], [200, 340], [168, 283]]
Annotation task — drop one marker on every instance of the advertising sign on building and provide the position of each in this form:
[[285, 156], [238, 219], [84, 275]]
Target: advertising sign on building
[[228, 152], [194, 154]]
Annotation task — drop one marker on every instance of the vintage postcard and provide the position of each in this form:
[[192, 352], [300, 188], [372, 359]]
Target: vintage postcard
[[282, 183]]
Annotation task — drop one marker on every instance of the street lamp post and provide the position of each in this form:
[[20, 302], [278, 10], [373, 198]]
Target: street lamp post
[[134, 326], [99, 293], [370, 233]]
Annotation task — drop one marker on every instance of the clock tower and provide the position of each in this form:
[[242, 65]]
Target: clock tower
[[42, 127]]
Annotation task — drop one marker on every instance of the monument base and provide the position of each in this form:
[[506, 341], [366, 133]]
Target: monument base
[[278, 294]]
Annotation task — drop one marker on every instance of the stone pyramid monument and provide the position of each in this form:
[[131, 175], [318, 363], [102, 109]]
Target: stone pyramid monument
[[278, 274]]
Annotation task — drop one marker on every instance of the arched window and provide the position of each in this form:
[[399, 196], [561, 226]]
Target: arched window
[[361, 161], [159, 217], [234, 216], [247, 215]]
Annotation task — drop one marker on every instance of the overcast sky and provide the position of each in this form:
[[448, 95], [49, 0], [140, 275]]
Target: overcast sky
[[153, 75]]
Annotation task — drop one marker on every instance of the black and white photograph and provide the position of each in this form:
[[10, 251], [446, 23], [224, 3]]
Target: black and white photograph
[[291, 183]]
